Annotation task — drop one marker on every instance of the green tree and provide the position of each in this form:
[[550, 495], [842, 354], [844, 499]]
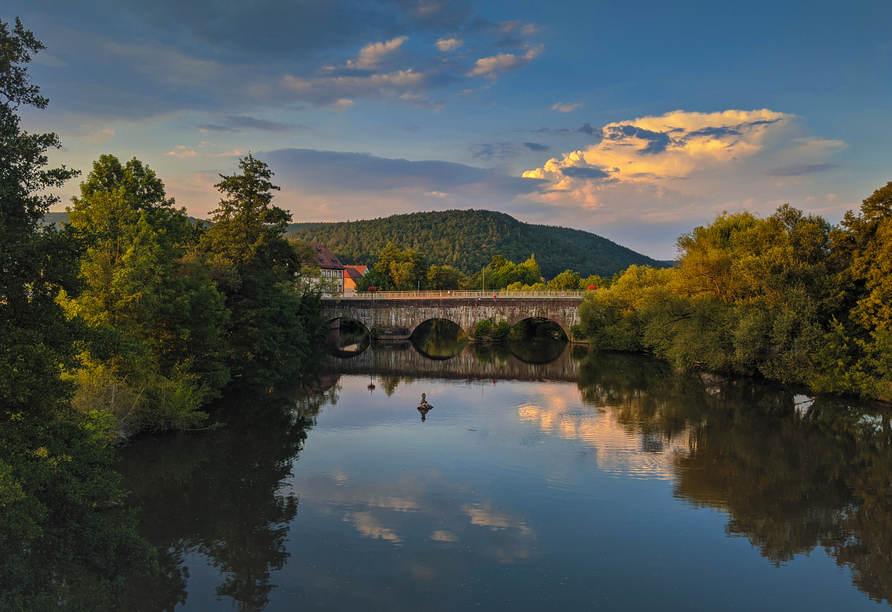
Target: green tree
[[567, 280], [445, 277], [56, 550], [406, 270], [141, 280], [268, 328]]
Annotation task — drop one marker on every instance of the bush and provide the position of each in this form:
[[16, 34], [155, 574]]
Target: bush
[[482, 330]]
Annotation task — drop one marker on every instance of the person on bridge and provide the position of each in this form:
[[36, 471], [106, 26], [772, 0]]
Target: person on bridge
[[494, 296]]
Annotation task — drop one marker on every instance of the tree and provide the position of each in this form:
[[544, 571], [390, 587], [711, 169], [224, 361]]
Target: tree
[[406, 270], [268, 328], [568, 280], [140, 286], [55, 463], [445, 277]]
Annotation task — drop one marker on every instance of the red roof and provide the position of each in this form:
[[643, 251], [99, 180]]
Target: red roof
[[325, 258], [355, 272]]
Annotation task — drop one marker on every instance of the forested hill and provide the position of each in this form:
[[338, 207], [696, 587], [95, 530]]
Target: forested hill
[[468, 240]]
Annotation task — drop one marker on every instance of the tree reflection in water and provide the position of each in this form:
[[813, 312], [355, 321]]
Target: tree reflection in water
[[230, 505], [790, 479], [439, 339]]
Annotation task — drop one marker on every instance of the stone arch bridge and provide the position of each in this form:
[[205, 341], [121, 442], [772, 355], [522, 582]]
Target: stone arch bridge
[[396, 318]]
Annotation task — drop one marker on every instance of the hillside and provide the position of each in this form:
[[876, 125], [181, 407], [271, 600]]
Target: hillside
[[468, 240]]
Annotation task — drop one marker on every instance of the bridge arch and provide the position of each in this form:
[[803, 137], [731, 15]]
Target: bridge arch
[[397, 318]]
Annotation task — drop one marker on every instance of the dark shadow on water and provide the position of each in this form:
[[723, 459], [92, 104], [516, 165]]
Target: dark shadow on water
[[350, 339], [439, 339], [537, 341]]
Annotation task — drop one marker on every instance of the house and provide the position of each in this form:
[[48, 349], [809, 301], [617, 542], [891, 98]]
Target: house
[[332, 269], [352, 274]]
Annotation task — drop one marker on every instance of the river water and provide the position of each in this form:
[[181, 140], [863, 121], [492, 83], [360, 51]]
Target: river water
[[542, 478]]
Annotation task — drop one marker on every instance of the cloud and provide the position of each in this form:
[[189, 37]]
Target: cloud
[[535, 146], [182, 152], [566, 108], [371, 55], [585, 173], [164, 57], [89, 133], [800, 169], [50, 61], [338, 92], [494, 150], [490, 66], [359, 173], [243, 122], [683, 166], [449, 44]]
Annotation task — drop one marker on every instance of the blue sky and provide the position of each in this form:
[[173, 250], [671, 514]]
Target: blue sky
[[636, 120]]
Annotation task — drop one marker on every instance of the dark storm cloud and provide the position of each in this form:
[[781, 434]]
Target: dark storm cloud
[[585, 173], [801, 169], [535, 146], [334, 171]]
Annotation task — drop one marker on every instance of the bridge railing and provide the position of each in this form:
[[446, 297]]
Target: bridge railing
[[443, 295]]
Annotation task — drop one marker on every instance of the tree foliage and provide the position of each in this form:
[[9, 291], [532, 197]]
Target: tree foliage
[[145, 291], [787, 297], [56, 550], [468, 239], [269, 330]]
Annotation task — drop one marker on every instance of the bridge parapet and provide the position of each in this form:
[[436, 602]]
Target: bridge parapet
[[449, 294], [397, 318]]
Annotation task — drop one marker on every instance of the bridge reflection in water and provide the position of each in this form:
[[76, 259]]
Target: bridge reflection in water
[[474, 362]]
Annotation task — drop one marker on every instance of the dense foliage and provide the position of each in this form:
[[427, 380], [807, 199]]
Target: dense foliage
[[155, 315], [787, 297], [56, 550], [468, 239], [271, 323], [128, 318]]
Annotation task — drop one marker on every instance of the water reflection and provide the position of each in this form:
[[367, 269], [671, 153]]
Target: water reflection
[[791, 480], [560, 486], [217, 497], [439, 339], [350, 339]]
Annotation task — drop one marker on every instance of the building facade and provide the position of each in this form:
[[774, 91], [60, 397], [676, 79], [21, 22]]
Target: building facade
[[332, 269]]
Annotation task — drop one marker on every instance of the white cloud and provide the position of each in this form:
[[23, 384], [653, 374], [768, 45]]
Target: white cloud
[[182, 152], [684, 167], [371, 55], [338, 91], [449, 44], [489, 66]]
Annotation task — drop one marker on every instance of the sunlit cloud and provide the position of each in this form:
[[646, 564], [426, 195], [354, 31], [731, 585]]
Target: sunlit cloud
[[683, 165], [490, 66], [566, 108], [182, 152], [449, 44], [371, 55]]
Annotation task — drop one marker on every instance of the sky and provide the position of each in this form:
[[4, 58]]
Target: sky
[[635, 120]]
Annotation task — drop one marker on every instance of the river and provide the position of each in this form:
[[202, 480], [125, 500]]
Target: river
[[537, 477]]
